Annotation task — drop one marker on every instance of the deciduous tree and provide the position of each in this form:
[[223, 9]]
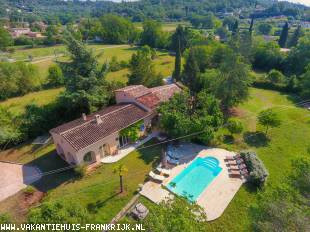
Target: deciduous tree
[[5, 39], [233, 82], [176, 215], [141, 69], [268, 118]]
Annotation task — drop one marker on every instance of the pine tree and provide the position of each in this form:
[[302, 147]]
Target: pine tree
[[295, 37], [177, 65], [283, 36]]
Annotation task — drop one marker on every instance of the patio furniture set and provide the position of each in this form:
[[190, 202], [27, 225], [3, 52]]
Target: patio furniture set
[[163, 173], [236, 166]]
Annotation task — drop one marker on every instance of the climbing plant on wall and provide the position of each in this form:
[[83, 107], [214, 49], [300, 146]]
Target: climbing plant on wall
[[132, 132]]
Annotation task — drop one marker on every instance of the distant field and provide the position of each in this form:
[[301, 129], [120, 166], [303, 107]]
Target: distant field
[[166, 26], [164, 64], [17, 104], [45, 52]]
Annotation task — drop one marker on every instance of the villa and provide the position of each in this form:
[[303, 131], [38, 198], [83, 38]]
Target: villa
[[91, 138]]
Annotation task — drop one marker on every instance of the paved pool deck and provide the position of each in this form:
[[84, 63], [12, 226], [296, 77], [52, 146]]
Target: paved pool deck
[[215, 198]]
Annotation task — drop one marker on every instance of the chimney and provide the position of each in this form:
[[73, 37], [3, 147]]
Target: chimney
[[84, 117], [98, 119]]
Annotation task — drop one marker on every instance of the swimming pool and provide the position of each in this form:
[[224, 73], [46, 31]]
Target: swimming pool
[[192, 181]]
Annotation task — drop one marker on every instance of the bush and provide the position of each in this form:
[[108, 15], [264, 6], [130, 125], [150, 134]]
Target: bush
[[55, 76], [66, 212], [5, 219], [17, 79], [275, 77], [258, 172], [80, 171], [29, 190], [234, 126]]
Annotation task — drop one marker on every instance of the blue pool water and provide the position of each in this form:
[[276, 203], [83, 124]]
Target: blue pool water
[[192, 181]]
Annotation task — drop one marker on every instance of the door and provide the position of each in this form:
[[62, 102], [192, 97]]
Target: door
[[103, 151], [123, 141]]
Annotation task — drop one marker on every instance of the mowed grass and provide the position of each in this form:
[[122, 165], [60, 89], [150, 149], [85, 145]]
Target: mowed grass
[[169, 27], [41, 52], [17, 104], [286, 143], [164, 64], [99, 192]]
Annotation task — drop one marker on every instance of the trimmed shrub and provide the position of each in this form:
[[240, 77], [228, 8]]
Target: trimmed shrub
[[258, 172], [80, 171]]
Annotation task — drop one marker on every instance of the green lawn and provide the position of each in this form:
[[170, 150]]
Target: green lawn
[[41, 52], [288, 142], [169, 27], [164, 63], [98, 192], [17, 104]]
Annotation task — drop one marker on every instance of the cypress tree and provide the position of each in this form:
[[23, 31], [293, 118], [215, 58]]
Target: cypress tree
[[235, 28], [251, 25], [177, 65], [283, 36], [295, 37]]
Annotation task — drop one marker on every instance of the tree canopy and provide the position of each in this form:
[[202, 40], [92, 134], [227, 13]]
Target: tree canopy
[[176, 215], [84, 79], [268, 118], [183, 115], [141, 69], [5, 39]]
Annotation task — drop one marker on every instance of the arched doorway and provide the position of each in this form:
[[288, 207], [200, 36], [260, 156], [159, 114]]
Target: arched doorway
[[89, 157]]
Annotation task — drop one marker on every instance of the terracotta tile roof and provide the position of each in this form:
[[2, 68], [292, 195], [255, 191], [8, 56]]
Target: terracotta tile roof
[[80, 133], [150, 100], [135, 90], [165, 92]]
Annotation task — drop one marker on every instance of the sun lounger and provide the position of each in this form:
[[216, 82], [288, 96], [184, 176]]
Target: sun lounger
[[234, 173], [156, 177], [235, 162], [164, 171], [230, 157]]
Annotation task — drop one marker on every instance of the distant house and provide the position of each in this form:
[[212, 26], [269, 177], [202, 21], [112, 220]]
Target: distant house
[[93, 137], [305, 24], [35, 35], [18, 32]]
